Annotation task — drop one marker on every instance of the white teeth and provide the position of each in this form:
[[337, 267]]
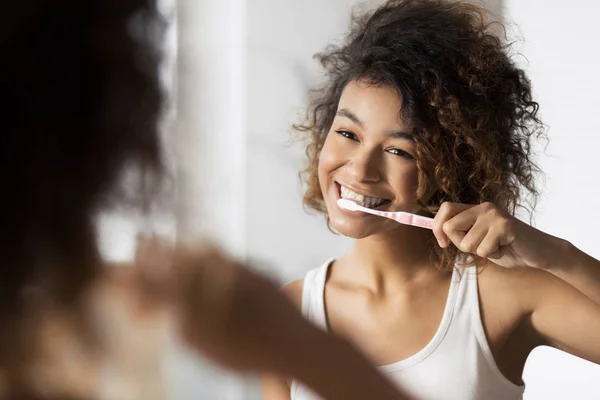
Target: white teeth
[[364, 201]]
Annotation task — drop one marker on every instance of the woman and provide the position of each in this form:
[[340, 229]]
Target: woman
[[423, 111], [80, 101]]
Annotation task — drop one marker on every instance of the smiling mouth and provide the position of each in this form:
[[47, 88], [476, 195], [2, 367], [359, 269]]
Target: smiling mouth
[[365, 201]]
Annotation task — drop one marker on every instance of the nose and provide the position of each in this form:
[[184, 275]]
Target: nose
[[364, 166]]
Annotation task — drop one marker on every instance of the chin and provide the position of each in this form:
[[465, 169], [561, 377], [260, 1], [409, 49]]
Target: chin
[[352, 229]]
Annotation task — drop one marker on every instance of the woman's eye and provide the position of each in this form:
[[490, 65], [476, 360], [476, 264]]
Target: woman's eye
[[401, 153], [347, 135]]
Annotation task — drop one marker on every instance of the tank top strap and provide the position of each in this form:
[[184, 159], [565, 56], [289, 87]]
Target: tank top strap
[[313, 292], [465, 278]]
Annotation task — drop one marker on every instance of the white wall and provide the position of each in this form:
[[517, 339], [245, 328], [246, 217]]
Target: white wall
[[561, 47]]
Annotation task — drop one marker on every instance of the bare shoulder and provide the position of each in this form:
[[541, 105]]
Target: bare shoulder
[[293, 291], [518, 286]]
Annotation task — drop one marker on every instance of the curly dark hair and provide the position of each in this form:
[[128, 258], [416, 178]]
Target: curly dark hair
[[80, 99], [472, 109]]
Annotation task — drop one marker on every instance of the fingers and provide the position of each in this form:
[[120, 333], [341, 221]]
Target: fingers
[[445, 214], [482, 229], [490, 246], [470, 240]]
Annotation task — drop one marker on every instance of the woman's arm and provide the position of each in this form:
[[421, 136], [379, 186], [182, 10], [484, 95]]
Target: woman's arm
[[561, 315], [576, 268], [564, 308], [490, 233], [274, 388], [242, 321]]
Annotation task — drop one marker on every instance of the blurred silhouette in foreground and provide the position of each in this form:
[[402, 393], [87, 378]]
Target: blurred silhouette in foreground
[[80, 102]]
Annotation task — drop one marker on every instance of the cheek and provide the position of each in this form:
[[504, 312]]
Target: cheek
[[406, 183], [328, 159]]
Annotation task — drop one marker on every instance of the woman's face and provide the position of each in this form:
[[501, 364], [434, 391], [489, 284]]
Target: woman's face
[[369, 157]]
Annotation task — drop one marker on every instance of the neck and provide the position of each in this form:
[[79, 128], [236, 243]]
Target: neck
[[390, 261]]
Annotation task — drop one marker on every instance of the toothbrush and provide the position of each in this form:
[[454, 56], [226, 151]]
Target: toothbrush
[[398, 216]]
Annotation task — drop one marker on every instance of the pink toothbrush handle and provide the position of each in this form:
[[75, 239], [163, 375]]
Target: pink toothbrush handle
[[421, 222], [407, 218]]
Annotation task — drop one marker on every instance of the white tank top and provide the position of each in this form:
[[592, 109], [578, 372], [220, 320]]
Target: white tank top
[[456, 364]]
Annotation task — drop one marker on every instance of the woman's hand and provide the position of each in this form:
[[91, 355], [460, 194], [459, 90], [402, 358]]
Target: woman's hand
[[491, 233]]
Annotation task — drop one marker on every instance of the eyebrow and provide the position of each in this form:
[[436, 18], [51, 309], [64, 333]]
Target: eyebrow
[[344, 112], [401, 135]]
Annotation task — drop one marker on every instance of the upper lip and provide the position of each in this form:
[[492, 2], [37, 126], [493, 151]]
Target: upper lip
[[363, 192]]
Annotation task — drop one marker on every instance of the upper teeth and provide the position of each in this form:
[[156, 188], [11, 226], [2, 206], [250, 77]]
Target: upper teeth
[[364, 201]]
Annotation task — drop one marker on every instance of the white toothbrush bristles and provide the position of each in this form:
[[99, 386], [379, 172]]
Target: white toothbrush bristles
[[348, 204]]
